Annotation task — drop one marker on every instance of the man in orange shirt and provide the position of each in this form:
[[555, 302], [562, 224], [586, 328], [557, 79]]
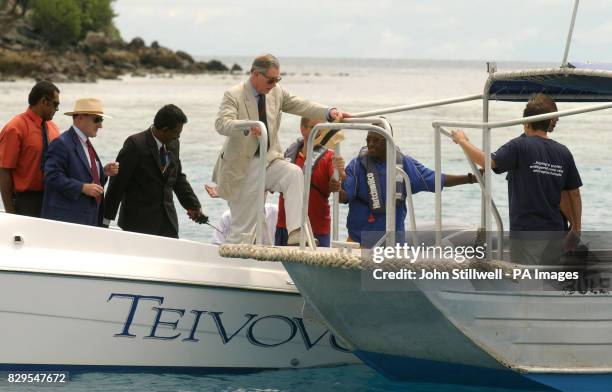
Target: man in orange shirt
[[23, 149]]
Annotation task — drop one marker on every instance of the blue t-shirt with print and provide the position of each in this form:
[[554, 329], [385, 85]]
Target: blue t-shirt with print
[[539, 170], [359, 220]]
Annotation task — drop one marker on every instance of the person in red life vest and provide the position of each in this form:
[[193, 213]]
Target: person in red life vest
[[322, 172]]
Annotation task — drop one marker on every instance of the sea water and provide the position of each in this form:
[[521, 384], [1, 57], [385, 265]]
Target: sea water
[[353, 85]]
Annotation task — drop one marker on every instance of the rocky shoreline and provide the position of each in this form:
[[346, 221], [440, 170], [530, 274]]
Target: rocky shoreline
[[24, 55]]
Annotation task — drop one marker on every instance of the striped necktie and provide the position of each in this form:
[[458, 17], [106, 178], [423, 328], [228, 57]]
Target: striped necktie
[[95, 172]]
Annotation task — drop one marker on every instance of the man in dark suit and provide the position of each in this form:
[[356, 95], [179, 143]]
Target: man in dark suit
[[74, 176], [150, 172]]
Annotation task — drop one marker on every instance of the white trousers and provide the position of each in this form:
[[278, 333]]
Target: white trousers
[[281, 176]]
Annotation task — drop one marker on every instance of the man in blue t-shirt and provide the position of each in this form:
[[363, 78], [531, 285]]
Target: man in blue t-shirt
[[541, 169], [365, 192]]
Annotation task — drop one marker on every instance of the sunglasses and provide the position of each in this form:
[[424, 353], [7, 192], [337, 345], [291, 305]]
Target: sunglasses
[[98, 120], [272, 80], [55, 103]]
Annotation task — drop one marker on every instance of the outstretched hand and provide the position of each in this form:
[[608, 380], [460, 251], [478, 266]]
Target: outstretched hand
[[459, 136], [339, 165], [337, 116], [194, 214], [334, 185], [572, 239], [92, 190], [111, 169], [212, 191]]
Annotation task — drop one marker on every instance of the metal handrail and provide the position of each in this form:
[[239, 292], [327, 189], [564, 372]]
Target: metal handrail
[[244, 126], [522, 120], [422, 105], [391, 174], [481, 182], [413, 227]]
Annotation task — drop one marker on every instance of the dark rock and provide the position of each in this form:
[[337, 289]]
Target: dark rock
[[161, 57], [108, 72], [138, 74], [27, 32], [185, 56], [198, 67], [236, 68], [216, 65], [120, 58], [18, 64], [74, 69], [55, 77], [48, 67], [96, 42], [136, 43], [23, 53]]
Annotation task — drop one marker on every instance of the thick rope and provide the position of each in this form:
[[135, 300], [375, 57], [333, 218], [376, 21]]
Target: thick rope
[[287, 254], [350, 261]]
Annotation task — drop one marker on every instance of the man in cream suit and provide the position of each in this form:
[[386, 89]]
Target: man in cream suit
[[261, 98]]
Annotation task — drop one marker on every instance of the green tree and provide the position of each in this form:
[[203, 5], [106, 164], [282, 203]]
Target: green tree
[[66, 21], [96, 15], [59, 21]]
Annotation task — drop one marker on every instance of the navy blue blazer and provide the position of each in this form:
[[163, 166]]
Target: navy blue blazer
[[66, 170]]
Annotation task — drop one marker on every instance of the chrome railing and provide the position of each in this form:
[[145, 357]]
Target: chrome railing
[[245, 126]]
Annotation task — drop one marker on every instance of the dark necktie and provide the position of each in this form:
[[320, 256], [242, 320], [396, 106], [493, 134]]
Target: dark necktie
[[261, 109], [163, 157], [45, 145], [95, 174]]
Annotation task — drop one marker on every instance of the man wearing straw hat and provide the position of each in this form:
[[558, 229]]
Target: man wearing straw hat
[[322, 172], [74, 175]]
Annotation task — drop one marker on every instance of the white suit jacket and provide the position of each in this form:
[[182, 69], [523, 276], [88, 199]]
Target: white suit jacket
[[239, 103]]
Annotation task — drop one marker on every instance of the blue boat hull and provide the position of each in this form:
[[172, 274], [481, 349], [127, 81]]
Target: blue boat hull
[[400, 368]]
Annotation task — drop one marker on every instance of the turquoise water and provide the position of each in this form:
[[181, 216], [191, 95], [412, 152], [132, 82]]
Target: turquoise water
[[352, 85], [354, 378]]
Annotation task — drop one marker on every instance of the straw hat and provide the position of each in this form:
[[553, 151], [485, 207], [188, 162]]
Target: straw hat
[[329, 138], [87, 106]]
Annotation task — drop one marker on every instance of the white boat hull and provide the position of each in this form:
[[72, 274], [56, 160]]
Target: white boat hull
[[128, 300]]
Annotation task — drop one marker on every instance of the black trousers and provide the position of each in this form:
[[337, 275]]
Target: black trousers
[[28, 203]]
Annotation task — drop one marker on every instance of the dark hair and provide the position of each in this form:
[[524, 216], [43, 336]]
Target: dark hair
[[169, 116], [42, 89], [545, 100], [535, 108]]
